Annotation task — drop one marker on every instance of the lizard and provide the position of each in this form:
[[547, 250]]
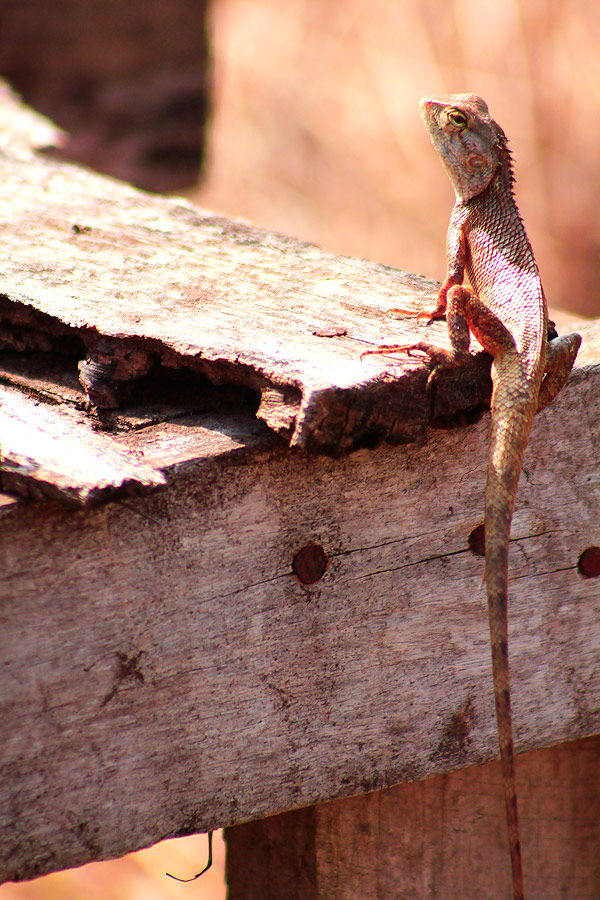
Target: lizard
[[504, 308]]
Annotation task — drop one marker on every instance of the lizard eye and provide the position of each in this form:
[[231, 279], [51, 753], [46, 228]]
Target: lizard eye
[[457, 119]]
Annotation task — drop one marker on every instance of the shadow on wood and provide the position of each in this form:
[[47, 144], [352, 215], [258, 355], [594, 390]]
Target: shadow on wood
[[442, 837]]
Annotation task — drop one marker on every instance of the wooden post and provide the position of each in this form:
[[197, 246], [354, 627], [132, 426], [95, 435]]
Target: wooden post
[[443, 837]]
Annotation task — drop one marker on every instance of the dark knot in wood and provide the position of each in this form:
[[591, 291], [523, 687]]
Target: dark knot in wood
[[477, 541], [309, 563]]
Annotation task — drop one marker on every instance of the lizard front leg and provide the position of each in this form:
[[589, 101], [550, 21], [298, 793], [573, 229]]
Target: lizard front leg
[[456, 258], [438, 312], [465, 314]]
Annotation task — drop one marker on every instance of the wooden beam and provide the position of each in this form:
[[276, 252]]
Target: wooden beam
[[165, 671]]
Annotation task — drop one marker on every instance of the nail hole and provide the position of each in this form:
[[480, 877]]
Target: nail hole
[[309, 563], [589, 563], [477, 541]]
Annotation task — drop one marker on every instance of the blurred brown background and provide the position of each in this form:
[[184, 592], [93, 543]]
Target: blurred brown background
[[315, 132]]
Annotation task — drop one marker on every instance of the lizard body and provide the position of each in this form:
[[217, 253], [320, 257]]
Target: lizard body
[[505, 309]]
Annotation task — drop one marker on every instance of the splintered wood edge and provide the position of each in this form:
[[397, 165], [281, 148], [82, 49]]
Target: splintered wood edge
[[388, 403], [52, 450], [55, 454]]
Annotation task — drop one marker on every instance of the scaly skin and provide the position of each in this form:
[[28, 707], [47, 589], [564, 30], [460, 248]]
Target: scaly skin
[[506, 311]]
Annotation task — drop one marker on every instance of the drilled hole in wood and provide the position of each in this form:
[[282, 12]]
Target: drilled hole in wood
[[589, 563], [309, 563], [477, 541]]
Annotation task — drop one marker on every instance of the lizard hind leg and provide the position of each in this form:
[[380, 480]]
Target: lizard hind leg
[[458, 318], [464, 314], [560, 357]]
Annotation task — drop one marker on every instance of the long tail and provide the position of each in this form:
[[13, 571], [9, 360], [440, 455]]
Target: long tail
[[510, 432]]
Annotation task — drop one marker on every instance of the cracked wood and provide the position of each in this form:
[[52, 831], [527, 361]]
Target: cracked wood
[[129, 282]]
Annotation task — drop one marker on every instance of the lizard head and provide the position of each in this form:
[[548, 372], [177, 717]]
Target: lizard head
[[470, 144]]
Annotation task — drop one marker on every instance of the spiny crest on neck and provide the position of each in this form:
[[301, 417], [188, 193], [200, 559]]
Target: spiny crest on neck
[[505, 155]]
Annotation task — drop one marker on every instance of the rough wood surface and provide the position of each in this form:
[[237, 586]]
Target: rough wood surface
[[164, 671], [442, 837], [134, 282], [56, 450]]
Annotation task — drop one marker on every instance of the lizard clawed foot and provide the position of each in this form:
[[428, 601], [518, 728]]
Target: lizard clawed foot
[[439, 356]]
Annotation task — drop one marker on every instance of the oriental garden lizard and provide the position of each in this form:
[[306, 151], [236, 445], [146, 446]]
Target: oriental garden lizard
[[505, 309]]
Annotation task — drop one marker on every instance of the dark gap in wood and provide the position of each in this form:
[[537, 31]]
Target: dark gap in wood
[[129, 382], [25, 329], [49, 376], [164, 393]]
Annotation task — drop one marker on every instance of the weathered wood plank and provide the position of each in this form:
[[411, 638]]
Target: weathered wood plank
[[447, 831], [58, 452], [135, 280], [21, 129], [54, 449], [165, 672]]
